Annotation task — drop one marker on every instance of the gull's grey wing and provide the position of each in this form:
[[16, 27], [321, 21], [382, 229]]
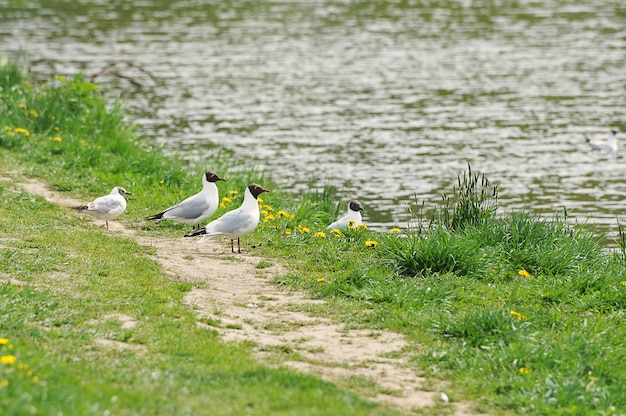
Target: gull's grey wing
[[190, 208], [233, 222], [105, 204]]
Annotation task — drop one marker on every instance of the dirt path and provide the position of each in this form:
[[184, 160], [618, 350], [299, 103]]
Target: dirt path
[[233, 296]]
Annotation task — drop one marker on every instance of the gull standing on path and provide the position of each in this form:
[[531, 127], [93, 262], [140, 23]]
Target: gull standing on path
[[196, 208], [106, 207], [235, 223], [353, 214], [610, 145]]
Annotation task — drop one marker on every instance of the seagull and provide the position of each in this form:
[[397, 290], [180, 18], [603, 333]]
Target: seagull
[[106, 207], [610, 145], [353, 214], [196, 208], [235, 223]]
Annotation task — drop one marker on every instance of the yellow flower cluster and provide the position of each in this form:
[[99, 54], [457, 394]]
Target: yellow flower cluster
[[517, 315], [524, 370], [525, 274], [394, 230], [319, 234], [371, 244], [336, 233], [303, 230], [10, 360]]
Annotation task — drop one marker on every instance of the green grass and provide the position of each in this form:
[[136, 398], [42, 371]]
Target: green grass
[[64, 275], [521, 313]]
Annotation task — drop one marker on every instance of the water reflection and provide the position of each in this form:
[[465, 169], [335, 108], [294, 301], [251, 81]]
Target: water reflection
[[388, 101]]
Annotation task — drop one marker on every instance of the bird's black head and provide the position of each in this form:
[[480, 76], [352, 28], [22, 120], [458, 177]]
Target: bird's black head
[[355, 206], [213, 177], [257, 190]]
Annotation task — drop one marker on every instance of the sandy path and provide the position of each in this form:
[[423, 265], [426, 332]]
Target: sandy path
[[234, 296]]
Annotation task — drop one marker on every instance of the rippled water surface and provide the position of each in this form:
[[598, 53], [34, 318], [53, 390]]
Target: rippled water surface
[[386, 100]]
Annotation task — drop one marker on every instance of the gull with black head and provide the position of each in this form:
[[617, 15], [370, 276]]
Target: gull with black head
[[236, 223], [353, 215], [609, 145], [196, 208]]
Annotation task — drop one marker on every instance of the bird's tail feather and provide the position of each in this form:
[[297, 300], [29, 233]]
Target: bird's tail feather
[[156, 217], [196, 232]]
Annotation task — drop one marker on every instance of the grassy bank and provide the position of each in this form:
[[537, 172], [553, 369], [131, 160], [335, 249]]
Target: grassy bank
[[62, 276], [519, 312]]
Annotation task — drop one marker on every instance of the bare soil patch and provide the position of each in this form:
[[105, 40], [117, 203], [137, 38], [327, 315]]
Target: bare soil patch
[[234, 297]]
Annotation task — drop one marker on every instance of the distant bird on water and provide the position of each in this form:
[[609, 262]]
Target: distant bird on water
[[353, 214], [106, 207], [236, 223], [196, 208], [610, 145]]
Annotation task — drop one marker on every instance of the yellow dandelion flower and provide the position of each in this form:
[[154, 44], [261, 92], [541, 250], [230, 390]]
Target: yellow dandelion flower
[[268, 218], [33, 113], [623, 283], [7, 128], [320, 280], [264, 212], [336, 232], [8, 359], [524, 370], [57, 139], [319, 234], [4, 341], [371, 243], [282, 213], [351, 222], [287, 231], [592, 378], [259, 199], [22, 366], [395, 230], [524, 273], [227, 199], [222, 205], [233, 192], [303, 229], [362, 226], [268, 207], [4, 383], [21, 105], [517, 315], [56, 129], [35, 379], [22, 131]]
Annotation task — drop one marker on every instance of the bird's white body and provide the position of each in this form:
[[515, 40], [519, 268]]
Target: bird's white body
[[353, 215], [197, 208], [107, 207], [609, 145], [237, 222]]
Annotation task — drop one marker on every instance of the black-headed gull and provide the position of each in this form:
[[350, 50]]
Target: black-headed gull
[[353, 215], [235, 223], [196, 208], [609, 145], [107, 207]]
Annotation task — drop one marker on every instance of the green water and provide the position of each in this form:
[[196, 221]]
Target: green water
[[386, 100]]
